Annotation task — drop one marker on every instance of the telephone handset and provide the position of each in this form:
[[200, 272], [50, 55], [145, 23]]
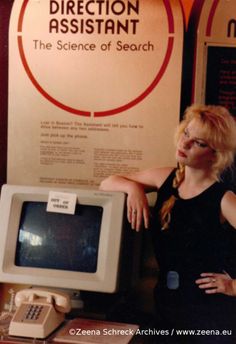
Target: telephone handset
[[39, 312]]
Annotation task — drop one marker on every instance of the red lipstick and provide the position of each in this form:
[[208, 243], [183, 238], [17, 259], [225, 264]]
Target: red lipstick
[[182, 154]]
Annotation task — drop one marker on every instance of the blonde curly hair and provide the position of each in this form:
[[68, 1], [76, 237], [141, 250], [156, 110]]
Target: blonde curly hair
[[219, 130]]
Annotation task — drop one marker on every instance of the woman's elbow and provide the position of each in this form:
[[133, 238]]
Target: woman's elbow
[[107, 184], [102, 185]]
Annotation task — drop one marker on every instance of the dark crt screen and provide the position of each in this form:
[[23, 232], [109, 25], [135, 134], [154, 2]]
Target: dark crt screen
[[59, 241]]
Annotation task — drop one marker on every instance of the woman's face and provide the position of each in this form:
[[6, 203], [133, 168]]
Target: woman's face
[[192, 149]]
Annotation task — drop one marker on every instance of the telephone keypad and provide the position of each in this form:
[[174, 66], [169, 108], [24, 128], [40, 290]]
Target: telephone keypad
[[33, 312]]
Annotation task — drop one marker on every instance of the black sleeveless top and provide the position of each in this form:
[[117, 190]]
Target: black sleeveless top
[[195, 242]]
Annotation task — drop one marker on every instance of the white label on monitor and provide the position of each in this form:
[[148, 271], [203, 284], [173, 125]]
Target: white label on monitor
[[61, 202]]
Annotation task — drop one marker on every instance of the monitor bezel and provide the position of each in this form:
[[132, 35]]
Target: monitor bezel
[[105, 279]]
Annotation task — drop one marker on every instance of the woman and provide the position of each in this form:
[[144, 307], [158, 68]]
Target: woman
[[193, 226]]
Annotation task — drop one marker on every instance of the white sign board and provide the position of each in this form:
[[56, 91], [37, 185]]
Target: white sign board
[[94, 88]]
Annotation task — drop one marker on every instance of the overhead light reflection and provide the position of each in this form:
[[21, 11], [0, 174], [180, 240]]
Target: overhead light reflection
[[32, 239]]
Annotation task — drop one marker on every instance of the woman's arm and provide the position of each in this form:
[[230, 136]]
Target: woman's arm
[[148, 178], [212, 282], [228, 208], [222, 283], [135, 185]]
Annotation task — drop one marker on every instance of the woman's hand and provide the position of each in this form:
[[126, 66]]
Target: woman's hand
[[137, 204], [137, 207], [214, 283]]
